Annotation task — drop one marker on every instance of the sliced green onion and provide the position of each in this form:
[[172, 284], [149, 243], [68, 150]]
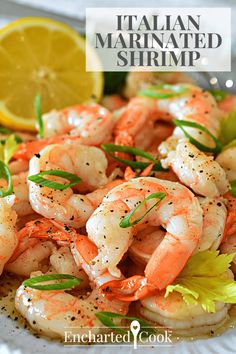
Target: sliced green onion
[[107, 319], [233, 188], [184, 123], [163, 91], [38, 179], [219, 95], [125, 222], [109, 148], [69, 284], [5, 174], [37, 105]]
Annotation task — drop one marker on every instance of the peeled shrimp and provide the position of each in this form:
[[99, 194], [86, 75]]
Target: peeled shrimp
[[197, 170], [52, 312], [113, 102], [89, 163], [144, 244], [136, 80], [20, 189], [172, 312], [214, 219], [92, 123], [229, 242], [86, 124], [193, 104], [227, 160], [179, 213], [8, 235]]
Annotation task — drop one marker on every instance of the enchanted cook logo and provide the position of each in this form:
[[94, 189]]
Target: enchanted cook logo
[[134, 336]]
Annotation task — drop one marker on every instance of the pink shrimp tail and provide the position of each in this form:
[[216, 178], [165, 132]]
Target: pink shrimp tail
[[130, 289]]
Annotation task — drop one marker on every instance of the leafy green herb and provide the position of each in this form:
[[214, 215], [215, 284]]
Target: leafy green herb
[[205, 281], [8, 148]]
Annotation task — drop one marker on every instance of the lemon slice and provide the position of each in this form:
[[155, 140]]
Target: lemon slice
[[46, 57]]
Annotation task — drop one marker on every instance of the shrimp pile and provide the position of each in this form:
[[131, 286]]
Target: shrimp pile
[[119, 198]]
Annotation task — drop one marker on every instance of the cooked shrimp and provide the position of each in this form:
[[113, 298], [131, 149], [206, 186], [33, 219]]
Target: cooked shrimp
[[89, 163], [18, 166], [92, 124], [33, 258], [20, 189], [35, 246], [227, 160], [229, 242], [197, 170], [113, 102], [144, 244], [214, 218], [89, 125], [193, 104], [136, 80], [8, 235], [63, 262], [51, 312], [172, 312], [179, 213]]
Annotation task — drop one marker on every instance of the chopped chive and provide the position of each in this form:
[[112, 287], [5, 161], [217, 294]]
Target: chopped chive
[[219, 95], [37, 105], [125, 222], [38, 179], [184, 123], [233, 188], [5, 174], [35, 281], [107, 319], [163, 91], [109, 148]]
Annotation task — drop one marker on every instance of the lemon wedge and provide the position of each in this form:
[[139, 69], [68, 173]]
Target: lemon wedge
[[46, 57]]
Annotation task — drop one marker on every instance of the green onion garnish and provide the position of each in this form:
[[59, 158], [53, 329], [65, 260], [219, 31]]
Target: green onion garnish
[[5, 174], [163, 91], [109, 148], [125, 222], [69, 284], [233, 188], [38, 179], [219, 95], [184, 123], [37, 105], [107, 319]]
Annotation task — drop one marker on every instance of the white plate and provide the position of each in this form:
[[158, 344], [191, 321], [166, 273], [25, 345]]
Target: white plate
[[25, 343]]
